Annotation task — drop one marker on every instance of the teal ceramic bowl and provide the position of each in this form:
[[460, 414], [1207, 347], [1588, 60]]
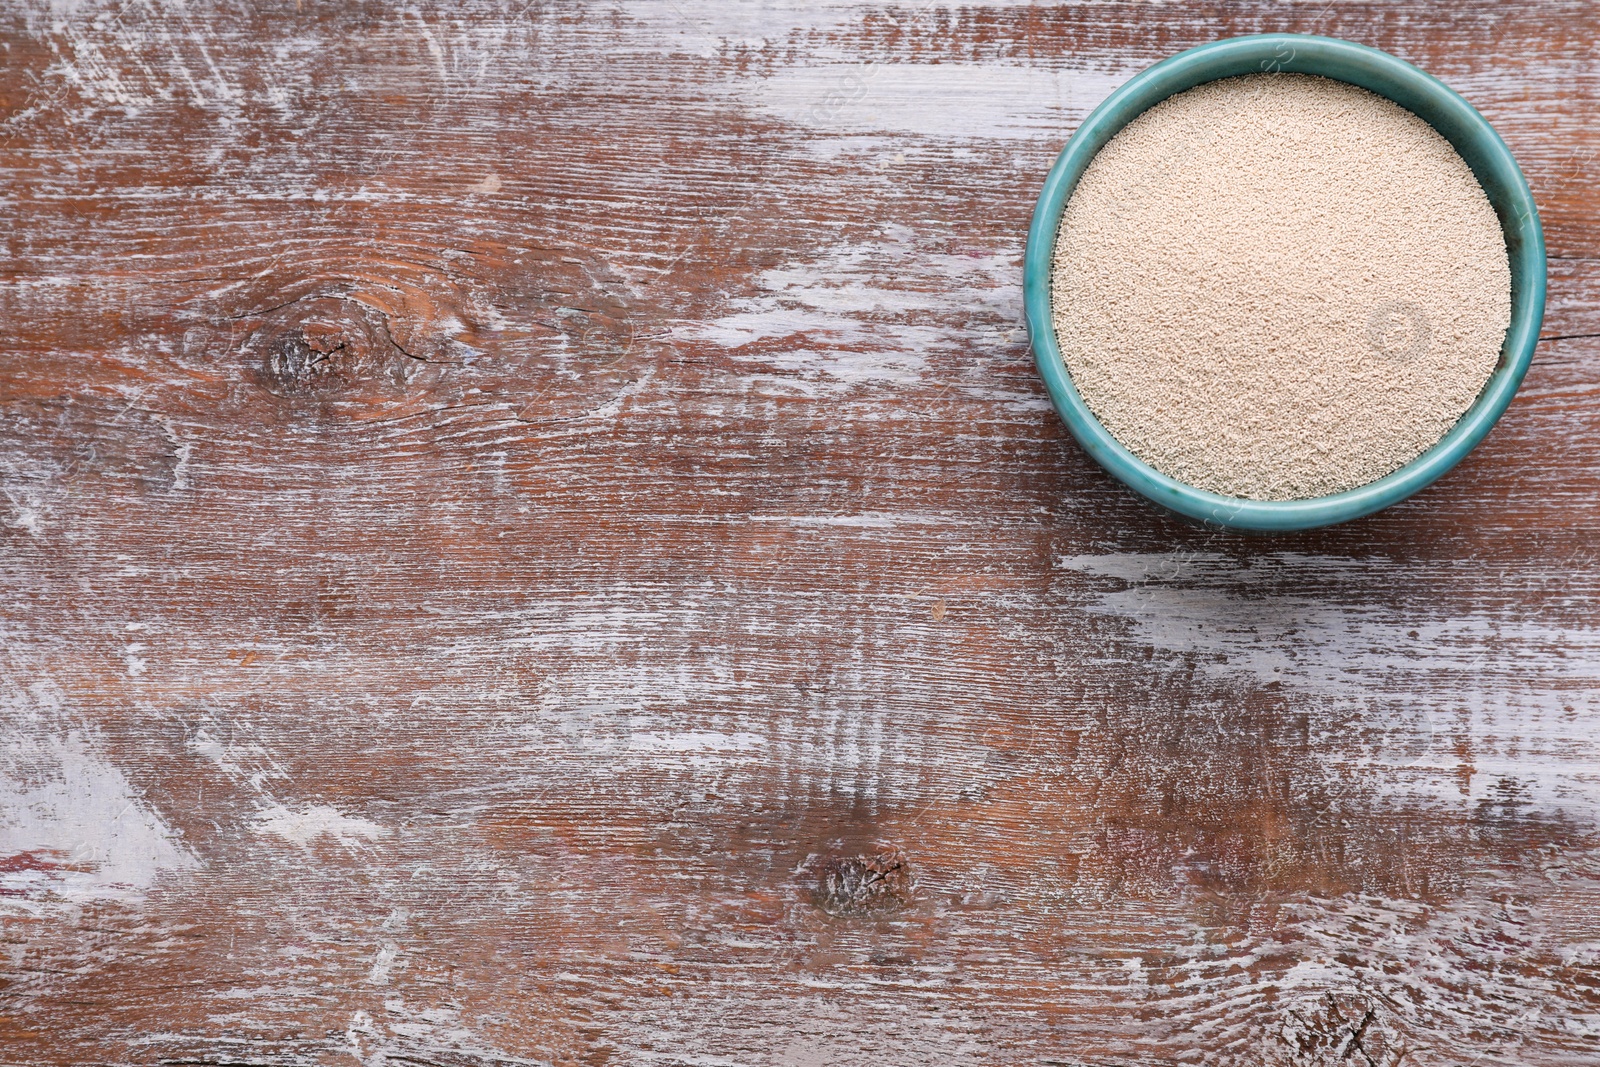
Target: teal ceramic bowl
[[1345, 61]]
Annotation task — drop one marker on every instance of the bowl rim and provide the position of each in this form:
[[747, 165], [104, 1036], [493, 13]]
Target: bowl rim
[[1389, 76]]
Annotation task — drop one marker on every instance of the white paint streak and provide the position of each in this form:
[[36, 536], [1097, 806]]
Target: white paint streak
[[388, 952], [953, 101], [1522, 692], [1444, 962], [865, 313], [304, 825], [695, 741], [71, 822], [181, 452], [240, 759], [411, 1033]]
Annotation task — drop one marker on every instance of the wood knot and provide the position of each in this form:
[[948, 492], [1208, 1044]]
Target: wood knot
[[862, 884], [326, 344], [1339, 1027], [332, 332], [545, 334]]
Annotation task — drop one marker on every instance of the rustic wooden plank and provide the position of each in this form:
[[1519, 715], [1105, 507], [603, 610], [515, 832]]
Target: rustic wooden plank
[[531, 535]]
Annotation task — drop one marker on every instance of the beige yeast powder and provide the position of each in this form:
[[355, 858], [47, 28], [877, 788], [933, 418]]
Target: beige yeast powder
[[1279, 286]]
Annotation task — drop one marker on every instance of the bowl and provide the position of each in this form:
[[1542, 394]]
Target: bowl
[[1422, 94]]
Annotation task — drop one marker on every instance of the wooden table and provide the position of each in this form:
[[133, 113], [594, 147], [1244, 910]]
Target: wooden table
[[531, 535]]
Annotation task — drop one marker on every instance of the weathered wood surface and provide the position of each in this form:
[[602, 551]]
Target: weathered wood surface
[[530, 534]]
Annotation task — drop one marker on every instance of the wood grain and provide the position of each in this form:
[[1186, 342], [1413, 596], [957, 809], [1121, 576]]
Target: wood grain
[[531, 535]]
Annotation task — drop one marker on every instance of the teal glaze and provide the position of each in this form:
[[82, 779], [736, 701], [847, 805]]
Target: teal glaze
[[1346, 61]]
